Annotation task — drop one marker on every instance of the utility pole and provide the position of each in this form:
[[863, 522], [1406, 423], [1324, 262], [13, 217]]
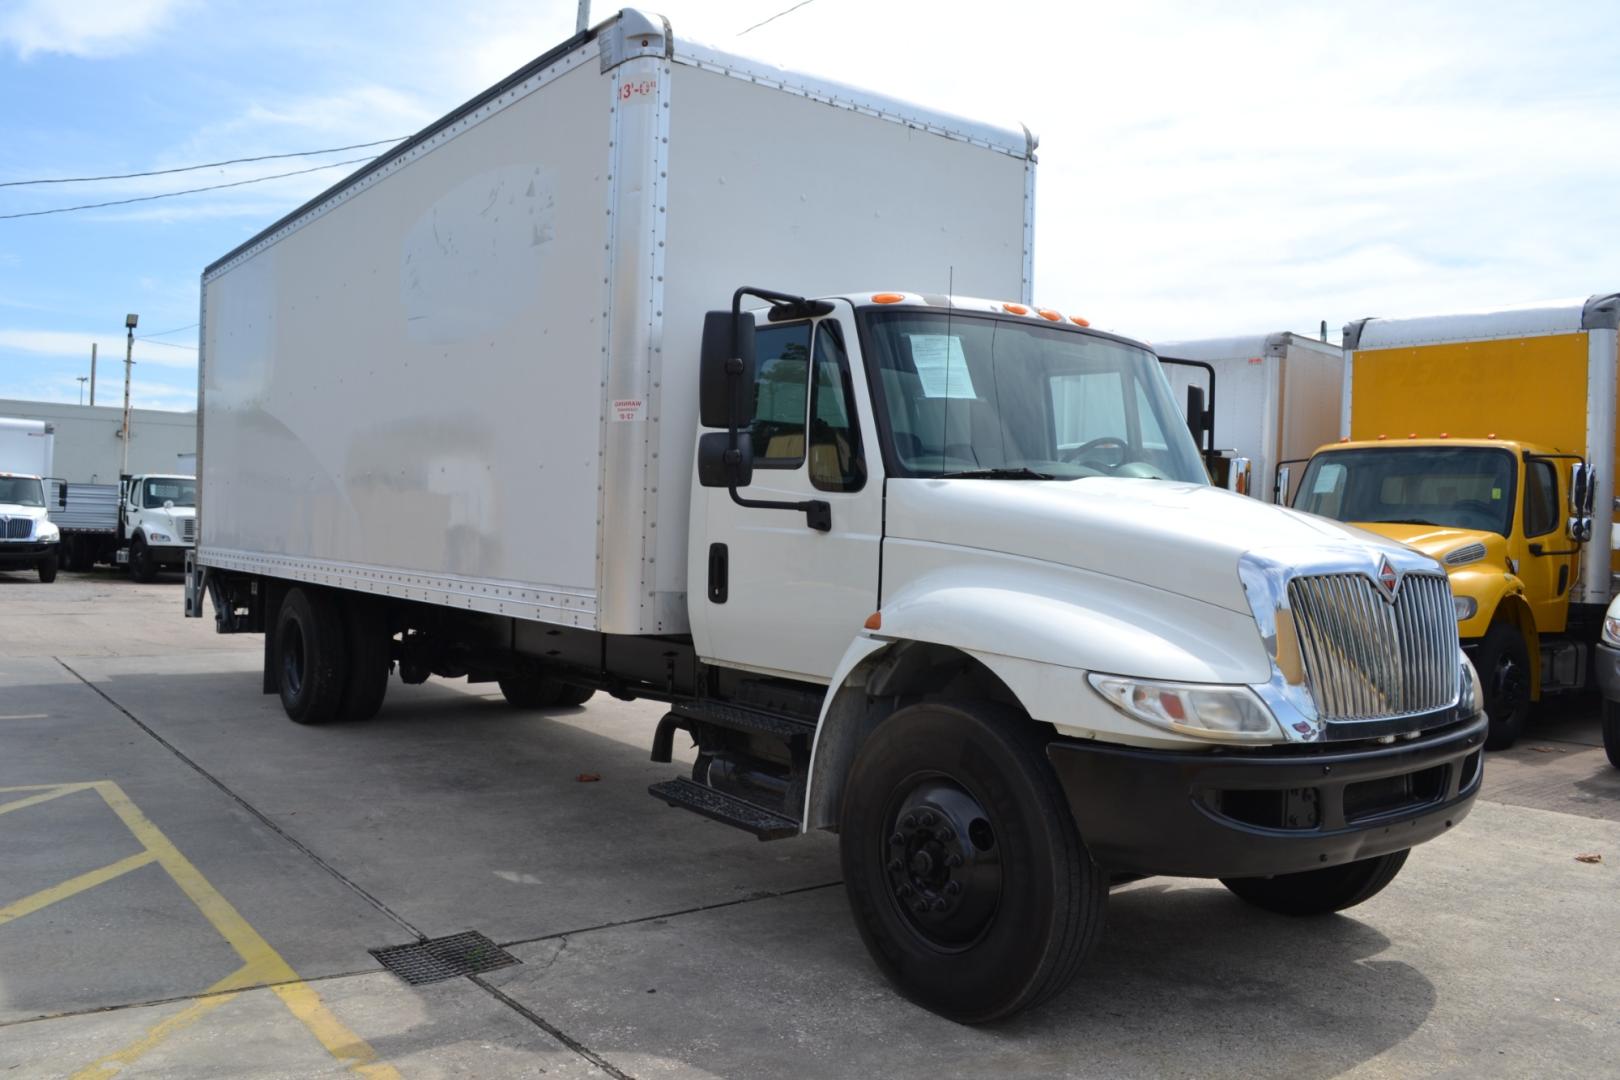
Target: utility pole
[[92, 373], [130, 322], [82, 380]]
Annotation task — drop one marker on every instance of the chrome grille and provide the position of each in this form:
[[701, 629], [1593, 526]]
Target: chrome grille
[[188, 529], [1369, 658], [18, 528]]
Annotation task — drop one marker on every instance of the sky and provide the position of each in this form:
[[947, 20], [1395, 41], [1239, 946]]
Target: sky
[[1205, 170]]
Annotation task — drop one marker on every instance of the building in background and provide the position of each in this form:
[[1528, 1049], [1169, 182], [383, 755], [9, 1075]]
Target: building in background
[[89, 446]]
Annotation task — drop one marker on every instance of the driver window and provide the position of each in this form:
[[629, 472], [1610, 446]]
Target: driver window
[[1087, 406], [835, 439], [781, 394], [1540, 498]]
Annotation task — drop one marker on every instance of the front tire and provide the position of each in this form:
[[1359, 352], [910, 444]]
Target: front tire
[[311, 656], [1320, 892], [47, 568], [1611, 732], [967, 878], [142, 563], [1504, 670]]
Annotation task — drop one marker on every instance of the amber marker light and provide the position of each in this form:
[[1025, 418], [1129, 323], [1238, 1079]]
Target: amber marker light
[[1344, 438], [1016, 309], [887, 297], [1078, 321], [874, 621], [1049, 315]]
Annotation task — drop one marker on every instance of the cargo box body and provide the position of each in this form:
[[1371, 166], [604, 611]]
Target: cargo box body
[[1277, 396], [468, 374]]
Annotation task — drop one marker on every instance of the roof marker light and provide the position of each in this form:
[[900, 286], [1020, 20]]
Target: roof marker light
[[1445, 435], [1078, 321], [874, 621], [1411, 434], [1491, 435], [1381, 435], [887, 297], [1016, 309], [1049, 315]]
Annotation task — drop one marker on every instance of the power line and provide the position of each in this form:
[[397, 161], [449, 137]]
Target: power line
[[188, 191], [194, 168], [167, 344], [166, 333], [778, 15]]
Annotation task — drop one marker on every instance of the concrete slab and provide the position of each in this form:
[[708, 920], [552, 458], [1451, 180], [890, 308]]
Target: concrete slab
[[1189, 981], [451, 1029]]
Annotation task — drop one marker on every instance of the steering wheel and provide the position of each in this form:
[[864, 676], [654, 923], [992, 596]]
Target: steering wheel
[[1105, 442]]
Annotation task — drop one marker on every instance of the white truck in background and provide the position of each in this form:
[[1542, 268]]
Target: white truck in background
[[27, 536], [573, 391], [1279, 399], [146, 522]]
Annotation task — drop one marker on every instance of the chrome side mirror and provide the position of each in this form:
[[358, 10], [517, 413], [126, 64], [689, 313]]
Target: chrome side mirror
[[1239, 475], [1279, 490], [1580, 529]]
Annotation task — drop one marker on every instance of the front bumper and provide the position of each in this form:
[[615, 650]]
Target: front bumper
[[1251, 813], [24, 553], [1606, 660]]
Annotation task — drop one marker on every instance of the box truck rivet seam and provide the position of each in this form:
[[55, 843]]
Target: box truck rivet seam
[[1090, 664]]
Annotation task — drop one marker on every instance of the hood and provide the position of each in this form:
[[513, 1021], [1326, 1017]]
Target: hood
[[1438, 541], [13, 510], [1182, 538]]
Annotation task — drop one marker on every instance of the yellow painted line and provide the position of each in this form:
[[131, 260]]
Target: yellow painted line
[[222, 992], [46, 897], [45, 796], [45, 787], [257, 954]]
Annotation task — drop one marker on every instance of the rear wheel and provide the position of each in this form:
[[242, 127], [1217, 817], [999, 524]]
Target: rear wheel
[[967, 878], [1611, 732], [142, 563], [1504, 671], [47, 568], [365, 626], [1319, 892], [531, 691], [574, 695], [311, 656]]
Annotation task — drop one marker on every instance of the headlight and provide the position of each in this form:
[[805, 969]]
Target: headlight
[[47, 532], [1465, 607], [1469, 693], [159, 538], [1205, 710], [1611, 631]]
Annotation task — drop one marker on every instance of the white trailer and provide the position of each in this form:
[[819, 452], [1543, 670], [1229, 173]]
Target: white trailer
[[943, 574], [1277, 399]]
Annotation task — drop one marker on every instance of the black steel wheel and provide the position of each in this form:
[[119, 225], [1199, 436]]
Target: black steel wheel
[[1504, 672], [968, 880], [365, 627], [311, 656], [142, 563], [47, 568], [1611, 732], [1320, 892]]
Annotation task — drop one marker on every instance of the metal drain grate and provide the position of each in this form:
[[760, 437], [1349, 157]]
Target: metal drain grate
[[444, 958]]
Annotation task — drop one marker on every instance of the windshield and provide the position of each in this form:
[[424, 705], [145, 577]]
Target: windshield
[[21, 491], [994, 398], [1463, 488], [159, 490]]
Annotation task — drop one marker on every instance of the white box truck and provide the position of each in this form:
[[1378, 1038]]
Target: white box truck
[[1278, 400], [574, 392], [27, 536]]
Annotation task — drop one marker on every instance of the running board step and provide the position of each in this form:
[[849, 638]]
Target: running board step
[[728, 809], [743, 718]]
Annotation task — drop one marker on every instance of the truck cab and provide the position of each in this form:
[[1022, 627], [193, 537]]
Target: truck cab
[[157, 522], [27, 536], [1492, 511]]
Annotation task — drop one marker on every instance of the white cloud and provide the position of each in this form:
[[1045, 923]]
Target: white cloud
[[76, 345], [88, 28]]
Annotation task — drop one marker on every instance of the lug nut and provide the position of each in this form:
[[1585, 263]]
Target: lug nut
[[953, 860], [897, 840], [896, 865], [953, 888], [920, 907], [939, 905], [945, 835], [903, 889], [927, 818], [909, 821]]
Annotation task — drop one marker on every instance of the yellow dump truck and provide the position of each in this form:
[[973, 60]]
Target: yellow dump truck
[[1488, 441]]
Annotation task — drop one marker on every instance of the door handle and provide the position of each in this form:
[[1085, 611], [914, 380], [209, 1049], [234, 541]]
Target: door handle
[[719, 567]]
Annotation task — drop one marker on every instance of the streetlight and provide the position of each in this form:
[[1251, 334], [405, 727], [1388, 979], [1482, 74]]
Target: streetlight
[[130, 322], [82, 380]]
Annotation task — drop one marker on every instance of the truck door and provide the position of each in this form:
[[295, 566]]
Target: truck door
[[766, 590], [1548, 570]]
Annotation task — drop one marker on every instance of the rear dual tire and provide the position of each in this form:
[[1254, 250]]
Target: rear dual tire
[[530, 691], [332, 658]]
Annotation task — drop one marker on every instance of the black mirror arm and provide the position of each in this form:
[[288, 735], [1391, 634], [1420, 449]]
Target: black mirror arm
[[817, 512]]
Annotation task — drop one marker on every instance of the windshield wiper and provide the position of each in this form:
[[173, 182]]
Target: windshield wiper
[[1018, 472], [1408, 521]]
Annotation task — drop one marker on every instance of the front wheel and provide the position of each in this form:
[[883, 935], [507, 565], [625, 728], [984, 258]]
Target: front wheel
[[47, 568], [1504, 670], [1320, 892], [967, 878], [142, 563], [1611, 732]]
